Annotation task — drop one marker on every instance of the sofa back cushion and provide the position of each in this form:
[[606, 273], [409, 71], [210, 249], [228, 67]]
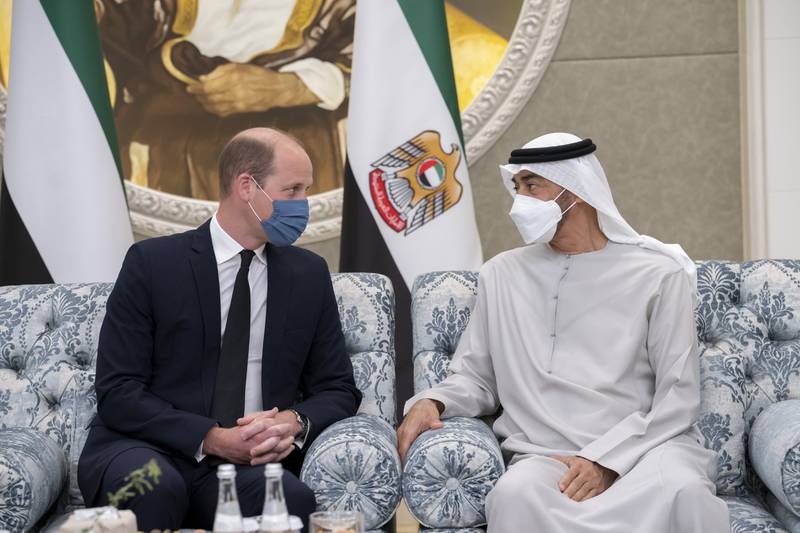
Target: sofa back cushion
[[48, 346], [441, 304], [366, 309]]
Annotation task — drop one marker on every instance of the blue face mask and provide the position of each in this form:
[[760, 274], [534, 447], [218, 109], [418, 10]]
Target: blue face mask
[[287, 222]]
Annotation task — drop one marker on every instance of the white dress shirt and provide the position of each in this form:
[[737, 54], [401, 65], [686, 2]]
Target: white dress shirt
[[226, 252]]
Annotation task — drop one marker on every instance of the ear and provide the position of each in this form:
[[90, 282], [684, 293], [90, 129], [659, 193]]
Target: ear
[[243, 187], [574, 198]]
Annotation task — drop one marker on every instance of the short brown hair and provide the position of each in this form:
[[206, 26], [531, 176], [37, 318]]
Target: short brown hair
[[244, 155]]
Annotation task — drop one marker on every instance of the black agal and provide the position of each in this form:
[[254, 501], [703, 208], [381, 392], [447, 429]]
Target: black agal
[[552, 153]]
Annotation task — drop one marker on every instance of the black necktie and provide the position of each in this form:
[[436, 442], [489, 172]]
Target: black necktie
[[228, 401]]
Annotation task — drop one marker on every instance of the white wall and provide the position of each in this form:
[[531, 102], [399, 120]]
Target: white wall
[[773, 94], [782, 125]]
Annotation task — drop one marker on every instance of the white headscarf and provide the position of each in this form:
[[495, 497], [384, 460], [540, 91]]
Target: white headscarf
[[584, 177]]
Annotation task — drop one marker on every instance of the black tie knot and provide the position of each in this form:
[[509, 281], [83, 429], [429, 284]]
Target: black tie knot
[[247, 257]]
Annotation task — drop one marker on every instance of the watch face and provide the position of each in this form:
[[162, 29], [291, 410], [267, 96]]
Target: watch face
[[302, 421]]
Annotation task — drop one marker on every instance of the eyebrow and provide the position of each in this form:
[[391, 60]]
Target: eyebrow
[[525, 178]]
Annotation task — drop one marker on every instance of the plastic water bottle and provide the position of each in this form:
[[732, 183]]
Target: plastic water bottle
[[228, 518], [295, 524], [275, 517]]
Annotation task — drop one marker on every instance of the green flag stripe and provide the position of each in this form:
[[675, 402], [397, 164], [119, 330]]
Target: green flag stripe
[[428, 23], [76, 28]]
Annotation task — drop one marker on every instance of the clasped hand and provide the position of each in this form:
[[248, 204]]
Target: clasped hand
[[258, 438], [242, 88], [584, 479]]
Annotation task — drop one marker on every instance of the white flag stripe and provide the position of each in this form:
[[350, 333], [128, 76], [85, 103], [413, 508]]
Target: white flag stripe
[[393, 98], [58, 165]]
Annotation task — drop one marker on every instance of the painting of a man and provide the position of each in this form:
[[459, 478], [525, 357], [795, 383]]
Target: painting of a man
[[185, 75], [188, 74]]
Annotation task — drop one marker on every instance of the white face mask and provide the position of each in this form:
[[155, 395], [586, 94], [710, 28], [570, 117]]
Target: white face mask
[[537, 220]]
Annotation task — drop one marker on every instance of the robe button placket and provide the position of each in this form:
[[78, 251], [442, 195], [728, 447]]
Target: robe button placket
[[555, 315]]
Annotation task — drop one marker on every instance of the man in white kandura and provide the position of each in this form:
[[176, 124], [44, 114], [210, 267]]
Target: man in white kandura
[[587, 340]]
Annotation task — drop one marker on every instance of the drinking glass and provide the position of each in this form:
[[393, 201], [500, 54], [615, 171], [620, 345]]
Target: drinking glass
[[337, 522]]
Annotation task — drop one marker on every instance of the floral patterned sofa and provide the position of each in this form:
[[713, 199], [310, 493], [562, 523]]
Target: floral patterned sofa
[[48, 346], [748, 326]]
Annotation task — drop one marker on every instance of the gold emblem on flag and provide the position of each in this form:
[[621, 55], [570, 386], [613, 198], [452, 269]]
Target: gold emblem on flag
[[415, 182]]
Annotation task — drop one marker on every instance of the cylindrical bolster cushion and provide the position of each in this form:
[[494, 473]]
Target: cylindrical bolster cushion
[[450, 471], [775, 451], [33, 470], [353, 465], [786, 517]]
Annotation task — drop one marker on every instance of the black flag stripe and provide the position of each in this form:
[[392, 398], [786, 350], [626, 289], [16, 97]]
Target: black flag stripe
[[363, 249], [20, 261]]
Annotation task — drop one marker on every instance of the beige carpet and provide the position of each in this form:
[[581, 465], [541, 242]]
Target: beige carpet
[[405, 523]]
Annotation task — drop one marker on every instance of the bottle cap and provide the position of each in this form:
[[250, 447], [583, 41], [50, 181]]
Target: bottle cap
[[273, 469], [226, 470]]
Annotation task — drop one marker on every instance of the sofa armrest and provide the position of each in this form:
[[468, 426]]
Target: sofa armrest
[[450, 471], [353, 465], [33, 471], [774, 449]]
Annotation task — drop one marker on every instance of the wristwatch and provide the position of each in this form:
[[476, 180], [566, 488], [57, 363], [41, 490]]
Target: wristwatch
[[304, 424]]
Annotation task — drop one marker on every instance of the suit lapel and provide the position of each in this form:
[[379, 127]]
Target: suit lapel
[[206, 279], [279, 288]]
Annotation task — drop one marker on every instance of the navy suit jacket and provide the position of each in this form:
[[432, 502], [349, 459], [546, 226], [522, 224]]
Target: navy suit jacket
[[160, 342]]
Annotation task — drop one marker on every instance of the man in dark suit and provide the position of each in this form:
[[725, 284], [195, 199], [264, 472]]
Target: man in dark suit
[[221, 344]]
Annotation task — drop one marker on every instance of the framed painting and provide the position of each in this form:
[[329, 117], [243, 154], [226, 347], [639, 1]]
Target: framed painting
[[185, 75]]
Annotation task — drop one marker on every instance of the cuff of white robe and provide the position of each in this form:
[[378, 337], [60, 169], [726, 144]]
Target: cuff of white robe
[[618, 462], [324, 79], [427, 395]]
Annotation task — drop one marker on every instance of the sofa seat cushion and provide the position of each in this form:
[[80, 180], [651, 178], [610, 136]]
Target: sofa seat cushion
[[789, 520], [749, 516]]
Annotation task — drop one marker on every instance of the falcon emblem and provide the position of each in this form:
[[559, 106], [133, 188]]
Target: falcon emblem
[[416, 182]]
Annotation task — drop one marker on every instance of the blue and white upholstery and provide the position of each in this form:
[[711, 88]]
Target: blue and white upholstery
[[48, 347], [748, 325]]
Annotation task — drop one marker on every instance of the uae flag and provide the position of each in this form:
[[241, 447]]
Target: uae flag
[[63, 213], [407, 198]]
